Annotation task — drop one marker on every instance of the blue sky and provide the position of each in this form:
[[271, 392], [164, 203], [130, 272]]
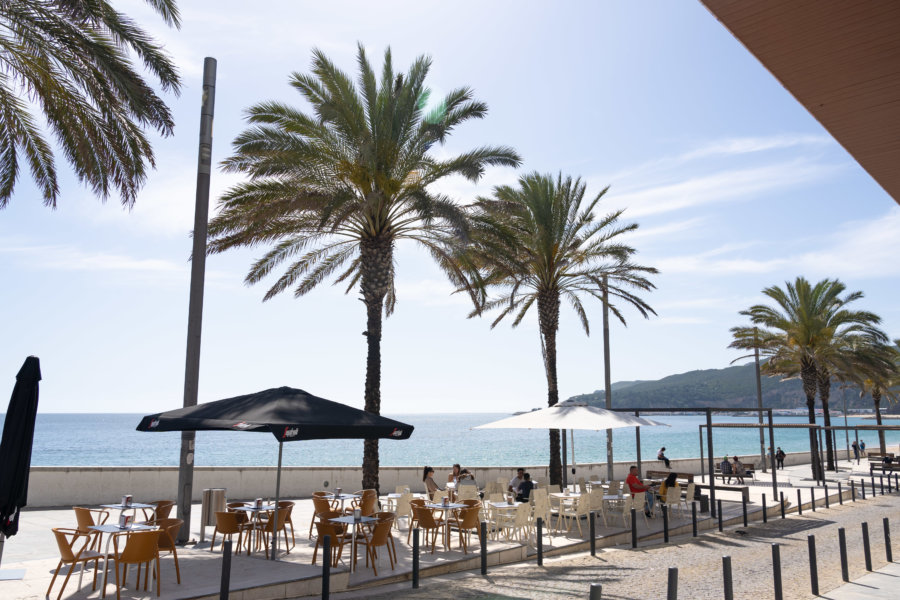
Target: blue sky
[[735, 187]]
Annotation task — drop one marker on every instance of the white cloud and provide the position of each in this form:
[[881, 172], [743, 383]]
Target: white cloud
[[747, 145]]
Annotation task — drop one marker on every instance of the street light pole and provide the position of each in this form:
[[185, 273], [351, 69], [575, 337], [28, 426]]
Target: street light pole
[[762, 436], [607, 380]]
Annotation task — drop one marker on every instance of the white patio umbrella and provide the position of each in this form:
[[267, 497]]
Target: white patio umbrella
[[571, 416]]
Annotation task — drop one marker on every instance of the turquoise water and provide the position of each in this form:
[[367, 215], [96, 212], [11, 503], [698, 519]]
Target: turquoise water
[[439, 439]]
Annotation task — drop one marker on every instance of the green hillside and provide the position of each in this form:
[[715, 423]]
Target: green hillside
[[728, 388]]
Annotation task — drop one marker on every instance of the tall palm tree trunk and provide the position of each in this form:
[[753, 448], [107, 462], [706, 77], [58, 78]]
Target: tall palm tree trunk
[[824, 384], [810, 384], [376, 257], [876, 399], [548, 315]]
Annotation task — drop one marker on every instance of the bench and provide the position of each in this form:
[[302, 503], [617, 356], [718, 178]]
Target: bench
[[749, 469], [876, 462], [743, 489], [687, 477]]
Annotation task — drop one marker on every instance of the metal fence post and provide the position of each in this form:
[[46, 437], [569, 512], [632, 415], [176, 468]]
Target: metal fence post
[[867, 551], [744, 507], [881, 481], [827, 502], [326, 567], [593, 535], [842, 543], [776, 569], [888, 553], [540, 542], [862, 487], [840, 494], [813, 567], [812, 498], [665, 512], [672, 593], [483, 548], [782, 504], [694, 517], [799, 503], [852, 491], [415, 558], [633, 528], [720, 514], [726, 576], [226, 571], [765, 510]]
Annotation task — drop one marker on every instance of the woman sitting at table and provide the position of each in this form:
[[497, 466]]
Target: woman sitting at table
[[453, 477], [670, 482], [428, 478]]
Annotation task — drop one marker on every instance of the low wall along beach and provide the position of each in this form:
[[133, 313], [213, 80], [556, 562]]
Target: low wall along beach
[[68, 486]]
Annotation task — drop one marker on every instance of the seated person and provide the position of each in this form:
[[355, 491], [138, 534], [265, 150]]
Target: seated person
[[739, 470], [466, 476], [725, 467], [670, 482], [635, 486], [524, 489], [430, 486], [453, 477], [515, 481], [661, 455]]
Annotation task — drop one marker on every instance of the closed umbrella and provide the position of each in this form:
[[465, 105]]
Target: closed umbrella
[[15, 449], [289, 414], [571, 415]]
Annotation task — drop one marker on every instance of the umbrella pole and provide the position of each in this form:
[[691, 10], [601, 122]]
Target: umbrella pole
[[565, 466], [277, 498]]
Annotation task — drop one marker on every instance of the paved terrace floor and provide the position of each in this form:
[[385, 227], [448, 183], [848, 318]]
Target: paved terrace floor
[[34, 549]]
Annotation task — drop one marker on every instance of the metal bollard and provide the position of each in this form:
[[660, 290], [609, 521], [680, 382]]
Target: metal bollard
[[483, 548], [226, 571], [596, 591], [326, 567], [665, 512], [415, 558], [842, 543], [813, 567], [719, 502], [840, 494], [744, 507], [872, 475], [633, 528], [812, 497], [888, 553], [593, 535], [726, 576], [852, 490], [540, 542], [827, 502], [694, 518], [890, 485], [799, 503], [782, 504], [862, 487], [672, 593], [765, 510], [881, 481], [776, 569], [867, 551]]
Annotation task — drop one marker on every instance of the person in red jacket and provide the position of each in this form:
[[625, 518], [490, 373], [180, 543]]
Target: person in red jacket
[[635, 485]]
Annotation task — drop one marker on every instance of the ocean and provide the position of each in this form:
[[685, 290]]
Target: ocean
[[438, 439]]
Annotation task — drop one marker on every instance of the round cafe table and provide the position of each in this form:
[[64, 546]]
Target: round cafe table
[[351, 521], [449, 507], [253, 515], [112, 530]]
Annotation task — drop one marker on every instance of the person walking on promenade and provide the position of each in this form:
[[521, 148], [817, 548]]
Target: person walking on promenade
[[661, 455], [779, 458], [862, 449], [855, 447]]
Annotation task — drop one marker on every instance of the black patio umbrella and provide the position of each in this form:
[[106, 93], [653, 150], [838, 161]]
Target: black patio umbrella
[[15, 448], [287, 413]]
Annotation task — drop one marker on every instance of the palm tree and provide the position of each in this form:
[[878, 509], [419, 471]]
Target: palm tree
[[540, 242], [71, 59], [878, 373], [333, 191], [800, 336]]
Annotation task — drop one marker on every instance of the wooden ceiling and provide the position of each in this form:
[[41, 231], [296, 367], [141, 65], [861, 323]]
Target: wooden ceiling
[[841, 60]]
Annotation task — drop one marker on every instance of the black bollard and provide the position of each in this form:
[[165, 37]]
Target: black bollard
[[226, 571], [827, 502], [862, 487], [765, 510], [799, 503], [483, 548], [840, 494], [596, 591], [890, 485], [326, 567], [872, 475], [694, 518], [896, 483], [633, 528], [812, 497], [540, 542], [782, 504], [726, 578], [776, 570], [744, 507], [813, 568], [852, 490], [672, 593], [415, 552], [720, 514], [593, 535], [867, 551], [881, 481], [665, 511], [887, 540], [842, 543]]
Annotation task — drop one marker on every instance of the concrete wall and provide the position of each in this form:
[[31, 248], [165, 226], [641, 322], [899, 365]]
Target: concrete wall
[[68, 486]]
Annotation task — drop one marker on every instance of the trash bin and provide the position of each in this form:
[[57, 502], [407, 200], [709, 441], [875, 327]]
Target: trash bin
[[704, 503], [212, 501]]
